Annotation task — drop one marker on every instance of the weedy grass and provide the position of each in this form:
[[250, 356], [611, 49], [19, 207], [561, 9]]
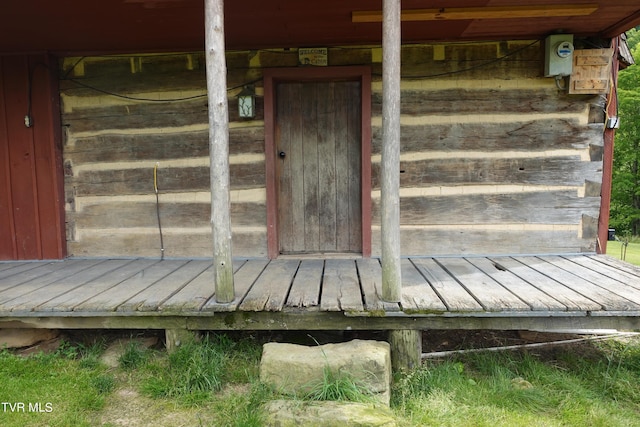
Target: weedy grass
[[593, 384], [195, 370], [216, 382], [134, 356], [338, 386]]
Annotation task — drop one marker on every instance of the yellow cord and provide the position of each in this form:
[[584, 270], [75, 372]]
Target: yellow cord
[[155, 178]]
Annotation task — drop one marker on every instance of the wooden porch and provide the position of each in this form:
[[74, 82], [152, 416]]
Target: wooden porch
[[520, 292]]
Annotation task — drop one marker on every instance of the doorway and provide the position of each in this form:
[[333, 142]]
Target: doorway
[[316, 149]]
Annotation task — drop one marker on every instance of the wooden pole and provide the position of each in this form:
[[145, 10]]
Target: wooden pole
[[219, 149], [607, 160], [406, 349], [390, 186]]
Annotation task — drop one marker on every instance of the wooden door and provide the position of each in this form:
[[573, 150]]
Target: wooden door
[[31, 180], [318, 144]]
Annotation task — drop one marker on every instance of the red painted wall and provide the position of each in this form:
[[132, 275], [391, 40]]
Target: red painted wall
[[31, 186]]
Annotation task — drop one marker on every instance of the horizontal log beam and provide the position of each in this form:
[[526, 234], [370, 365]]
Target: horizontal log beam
[[465, 13], [327, 321]]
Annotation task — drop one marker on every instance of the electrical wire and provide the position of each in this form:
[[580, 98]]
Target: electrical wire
[[474, 67], [134, 98], [189, 98], [28, 118], [155, 187], [139, 99]]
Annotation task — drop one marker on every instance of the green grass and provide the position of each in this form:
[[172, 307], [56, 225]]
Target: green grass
[[216, 382], [616, 250], [60, 389], [338, 386], [570, 387]]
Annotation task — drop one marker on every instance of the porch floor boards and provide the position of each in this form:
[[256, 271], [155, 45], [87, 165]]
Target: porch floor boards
[[520, 286]]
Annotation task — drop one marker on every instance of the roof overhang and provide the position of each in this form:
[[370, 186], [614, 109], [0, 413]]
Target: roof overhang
[[104, 26]]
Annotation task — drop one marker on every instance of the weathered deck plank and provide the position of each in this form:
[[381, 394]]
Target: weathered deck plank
[[35, 297], [9, 270], [109, 300], [69, 300], [487, 291], [572, 300], [596, 278], [617, 264], [417, 294], [6, 265], [40, 270], [455, 297], [195, 293], [244, 279], [305, 290], [151, 297], [607, 299], [370, 273], [42, 281], [271, 288], [341, 287], [608, 270], [535, 298]]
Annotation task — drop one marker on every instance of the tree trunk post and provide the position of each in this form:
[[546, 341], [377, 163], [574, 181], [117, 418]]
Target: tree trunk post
[[175, 338], [219, 149], [390, 185], [406, 349]]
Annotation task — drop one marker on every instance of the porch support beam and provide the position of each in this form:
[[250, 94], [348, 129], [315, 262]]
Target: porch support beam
[[390, 182], [406, 349], [607, 161], [219, 149], [174, 338]]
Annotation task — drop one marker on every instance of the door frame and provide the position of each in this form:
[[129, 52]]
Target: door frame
[[272, 77]]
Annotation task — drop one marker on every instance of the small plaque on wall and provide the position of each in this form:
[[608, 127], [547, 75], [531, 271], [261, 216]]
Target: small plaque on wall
[[317, 56]]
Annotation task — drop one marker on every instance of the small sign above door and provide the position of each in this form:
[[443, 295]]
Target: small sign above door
[[317, 56]]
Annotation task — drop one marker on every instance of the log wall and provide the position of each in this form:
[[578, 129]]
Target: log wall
[[494, 157]]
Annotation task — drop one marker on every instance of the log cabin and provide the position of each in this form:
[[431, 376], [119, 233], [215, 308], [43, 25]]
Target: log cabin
[[318, 165]]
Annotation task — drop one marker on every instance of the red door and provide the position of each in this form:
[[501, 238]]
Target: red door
[[31, 183]]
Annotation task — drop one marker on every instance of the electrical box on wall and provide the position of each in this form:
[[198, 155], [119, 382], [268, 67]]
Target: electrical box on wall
[[558, 55]]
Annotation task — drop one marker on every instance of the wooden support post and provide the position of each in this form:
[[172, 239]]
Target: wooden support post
[[406, 349], [607, 161], [174, 338], [390, 186], [219, 149]]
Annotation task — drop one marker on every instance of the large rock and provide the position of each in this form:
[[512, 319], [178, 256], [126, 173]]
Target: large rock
[[295, 369], [285, 413], [25, 337]]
